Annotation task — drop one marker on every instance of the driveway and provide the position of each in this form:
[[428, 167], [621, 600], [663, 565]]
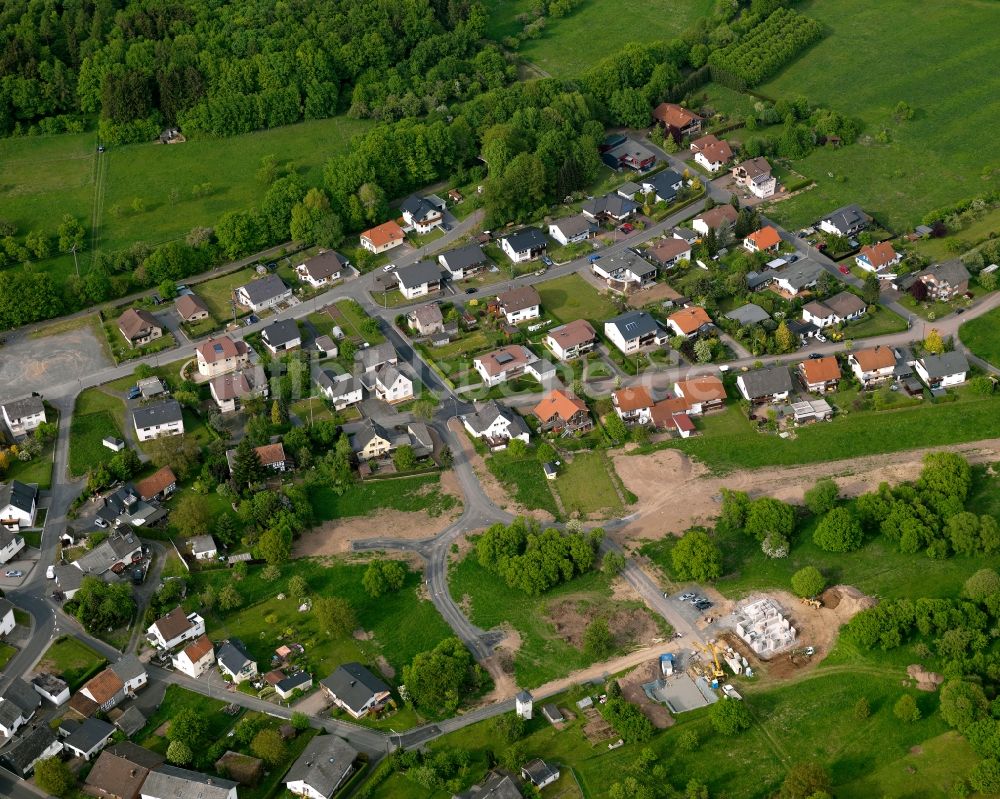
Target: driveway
[[27, 364], [20, 564]]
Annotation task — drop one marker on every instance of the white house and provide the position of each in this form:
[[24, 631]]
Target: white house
[[266, 292], [89, 738], [323, 269], [520, 304], [755, 175], [718, 218], [300, 681], [571, 229], [341, 390], [196, 658], [524, 244], [766, 239], [539, 773], [323, 767], [50, 687], [230, 391], [503, 364], [873, 365], [160, 419], [423, 214], [390, 384], [633, 405], [171, 782], [571, 340], [711, 152], [496, 425], [175, 628], [841, 307], [6, 617], [18, 505], [18, 705], [23, 415], [876, 257], [419, 279], [845, 221], [772, 384], [634, 330], [203, 547], [221, 354], [383, 237], [21, 755], [941, 371], [234, 662], [356, 690], [664, 185]]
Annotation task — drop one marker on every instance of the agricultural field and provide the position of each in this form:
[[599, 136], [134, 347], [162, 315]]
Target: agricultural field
[[96, 416], [897, 182], [571, 297]]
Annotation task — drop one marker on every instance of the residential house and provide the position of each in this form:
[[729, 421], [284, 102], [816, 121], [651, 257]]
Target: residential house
[[118, 773], [690, 321], [300, 681], [68, 579], [171, 782], [621, 152], [941, 371], [341, 390], [21, 754], [633, 405], [234, 662], [172, 630], [221, 354], [711, 152], [625, 271], [571, 340], [323, 767], [820, 375], [282, 335], [139, 326], [612, 207], [426, 320], [663, 186], [191, 308], [702, 394], [423, 214], [539, 773], [382, 238], [684, 234], [841, 307], [263, 293], [497, 785], [203, 547], [634, 330], [772, 384], [668, 252], [876, 257], [677, 120], [18, 506], [110, 687], [846, 221], [89, 738], [18, 704], [23, 415], [945, 281], [496, 425], [50, 687], [720, 218], [159, 419], [628, 190], [562, 412], [873, 365], [503, 364], [323, 269], [371, 358], [766, 239], [524, 244], [230, 391], [419, 279], [159, 485], [571, 229], [464, 261], [196, 658], [130, 720], [152, 387], [116, 551], [389, 384], [755, 176], [519, 304], [749, 314], [796, 278], [354, 689], [371, 441], [6, 616], [124, 509], [271, 456]]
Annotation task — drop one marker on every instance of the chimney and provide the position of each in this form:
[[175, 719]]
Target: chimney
[[132, 773]]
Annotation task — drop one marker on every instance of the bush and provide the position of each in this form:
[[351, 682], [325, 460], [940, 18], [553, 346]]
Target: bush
[[822, 497], [730, 716], [906, 709], [838, 531], [627, 719], [980, 585], [696, 557], [808, 582]]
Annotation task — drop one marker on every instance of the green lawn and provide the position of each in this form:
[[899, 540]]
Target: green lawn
[[571, 297], [900, 181], [72, 660], [170, 372], [525, 481], [875, 323], [728, 442], [418, 493], [177, 699], [353, 315], [972, 234], [980, 335], [6, 653], [314, 409], [95, 416], [218, 293], [585, 486], [38, 469]]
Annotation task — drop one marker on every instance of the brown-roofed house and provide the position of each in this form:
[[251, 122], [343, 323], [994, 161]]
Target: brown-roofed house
[[384, 237], [718, 218], [158, 485], [519, 304], [767, 238], [560, 410], [244, 769], [677, 120], [873, 365], [190, 308], [571, 340], [221, 354], [672, 414], [633, 404], [667, 252], [103, 687], [503, 364], [820, 374], [139, 326], [272, 456], [115, 777], [876, 257], [689, 321], [702, 394], [711, 152]]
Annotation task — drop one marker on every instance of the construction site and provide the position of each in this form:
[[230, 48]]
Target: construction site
[[762, 625]]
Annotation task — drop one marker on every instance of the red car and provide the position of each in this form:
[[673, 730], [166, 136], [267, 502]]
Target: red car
[[844, 270], [627, 228]]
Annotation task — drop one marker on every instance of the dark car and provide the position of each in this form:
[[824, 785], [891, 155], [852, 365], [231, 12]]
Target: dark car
[[470, 291], [134, 393], [959, 311], [703, 605], [816, 355]]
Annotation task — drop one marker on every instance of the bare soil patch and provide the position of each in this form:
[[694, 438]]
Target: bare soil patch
[[631, 685], [363, 635], [383, 666], [335, 537], [925, 680], [657, 293], [629, 626]]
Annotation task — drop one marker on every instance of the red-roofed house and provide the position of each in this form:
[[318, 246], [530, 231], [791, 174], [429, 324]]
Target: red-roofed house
[[382, 238], [767, 238], [711, 152], [560, 411], [876, 257], [677, 120], [633, 405]]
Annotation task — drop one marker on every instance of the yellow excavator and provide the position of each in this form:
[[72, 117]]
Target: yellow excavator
[[713, 653]]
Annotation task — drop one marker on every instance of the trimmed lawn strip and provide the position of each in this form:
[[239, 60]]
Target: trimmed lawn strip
[[877, 323], [6, 653], [72, 660], [403, 494]]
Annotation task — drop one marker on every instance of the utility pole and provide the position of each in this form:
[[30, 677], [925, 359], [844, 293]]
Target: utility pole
[[76, 262]]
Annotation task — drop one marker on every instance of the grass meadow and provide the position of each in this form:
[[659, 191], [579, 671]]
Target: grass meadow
[[419, 493], [585, 486], [980, 336], [571, 297], [96, 416], [72, 660], [524, 479]]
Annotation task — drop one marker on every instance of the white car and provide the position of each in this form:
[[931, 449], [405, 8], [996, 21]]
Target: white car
[[100, 522], [13, 573], [821, 337], [388, 267], [50, 573]]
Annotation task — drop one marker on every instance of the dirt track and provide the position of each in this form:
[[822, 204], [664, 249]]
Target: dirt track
[[675, 492]]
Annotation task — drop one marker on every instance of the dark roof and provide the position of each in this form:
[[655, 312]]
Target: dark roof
[[572, 225], [339, 384], [27, 748], [529, 238], [463, 258], [295, 681], [281, 332], [370, 429], [325, 265], [135, 754], [848, 217], [800, 274], [190, 304], [21, 694], [416, 275], [611, 204], [116, 775], [89, 734], [157, 413], [26, 406], [748, 314], [663, 183], [131, 720], [170, 782], [20, 495], [371, 357], [947, 363], [134, 321], [495, 786], [128, 667], [233, 656], [952, 272], [517, 299], [481, 420], [538, 771], [634, 324], [324, 764], [265, 288], [354, 685], [765, 382], [417, 207]]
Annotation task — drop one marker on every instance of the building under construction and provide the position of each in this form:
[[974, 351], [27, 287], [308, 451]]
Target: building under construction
[[764, 627]]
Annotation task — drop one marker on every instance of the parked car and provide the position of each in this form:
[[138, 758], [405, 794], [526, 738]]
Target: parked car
[[253, 319], [470, 291], [815, 355], [684, 597], [703, 605], [627, 228], [134, 393], [547, 261], [13, 573], [388, 267], [821, 337], [844, 270], [594, 258], [100, 523], [50, 573]]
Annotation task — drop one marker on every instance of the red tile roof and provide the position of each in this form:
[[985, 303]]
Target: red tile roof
[[386, 233], [701, 389], [821, 370], [632, 399], [765, 238], [688, 320], [559, 403], [156, 482]]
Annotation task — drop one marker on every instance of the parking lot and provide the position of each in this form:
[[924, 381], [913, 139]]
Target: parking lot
[[18, 565], [686, 609]]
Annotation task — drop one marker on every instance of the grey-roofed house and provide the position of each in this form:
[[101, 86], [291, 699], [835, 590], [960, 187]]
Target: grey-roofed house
[[612, 206], [524, 244], [21, 754], [628, 190], [48, 686], [138, 326], [946, 280], [463, 261], [663, 185], [941, 371], [845, 221], [423, 214], [389, 384], [268, 291], [497, 785], [281, 335], [68, 579], [324, 765], [426, 319], [772, 384], [633, 330], [356, 690], [570, 229], [341, 390], [203, 547], [622, 152], [496, 425], [539, 773], [118, 548], [371, 440], [797, 277], [322, 269], [130, 720], [624, 271], [748, 314], [420, 439], [18, 505], [372, 358], [292, 683], [23, 415], [89, 738], [419, 279], [171, 782], [234, 661], [158, 419], [18, 705]]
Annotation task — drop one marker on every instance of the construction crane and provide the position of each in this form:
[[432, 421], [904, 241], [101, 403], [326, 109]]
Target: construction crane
[[713, 653]]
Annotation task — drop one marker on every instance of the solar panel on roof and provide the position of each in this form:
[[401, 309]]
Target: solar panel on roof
[[217, 348], [504, 357]]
